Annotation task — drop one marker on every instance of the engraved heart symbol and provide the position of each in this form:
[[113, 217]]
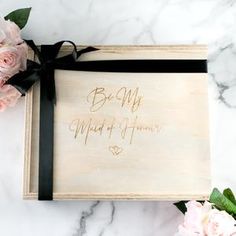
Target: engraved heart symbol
[[115, 150]]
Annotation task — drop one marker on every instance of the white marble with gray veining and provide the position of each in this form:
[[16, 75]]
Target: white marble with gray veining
[[211, 22]]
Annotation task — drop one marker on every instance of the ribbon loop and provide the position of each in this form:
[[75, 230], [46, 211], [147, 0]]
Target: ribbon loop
[[48, 62]]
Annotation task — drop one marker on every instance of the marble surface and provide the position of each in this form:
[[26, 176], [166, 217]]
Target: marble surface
[[122, 22]]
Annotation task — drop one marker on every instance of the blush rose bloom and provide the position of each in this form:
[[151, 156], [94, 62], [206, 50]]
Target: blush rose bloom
[[9, 33], [13, 58], [8, 95], [202, 220]]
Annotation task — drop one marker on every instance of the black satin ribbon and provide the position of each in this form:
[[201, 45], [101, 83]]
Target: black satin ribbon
[[43, 71]]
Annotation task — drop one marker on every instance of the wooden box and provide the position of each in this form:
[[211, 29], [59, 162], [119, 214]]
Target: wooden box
[[125, 135]]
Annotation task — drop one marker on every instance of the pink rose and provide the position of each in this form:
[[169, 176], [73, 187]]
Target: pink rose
[[9, 61], [8, 95], [12, 60], [9, 33]]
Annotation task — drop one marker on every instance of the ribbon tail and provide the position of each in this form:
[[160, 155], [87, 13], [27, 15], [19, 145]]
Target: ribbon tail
[[85, 50], [24, 80], [32, 45], [46, 141]]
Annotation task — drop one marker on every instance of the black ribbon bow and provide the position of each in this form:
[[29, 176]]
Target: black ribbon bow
[[43, 71]]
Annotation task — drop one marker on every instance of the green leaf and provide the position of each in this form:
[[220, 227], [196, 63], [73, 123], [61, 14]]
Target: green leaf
[[181, 206], [229, 194], [20, 16], [222, 202]]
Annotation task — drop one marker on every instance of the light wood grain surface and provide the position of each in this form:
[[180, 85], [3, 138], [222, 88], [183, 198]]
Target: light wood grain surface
[[125, 135]]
